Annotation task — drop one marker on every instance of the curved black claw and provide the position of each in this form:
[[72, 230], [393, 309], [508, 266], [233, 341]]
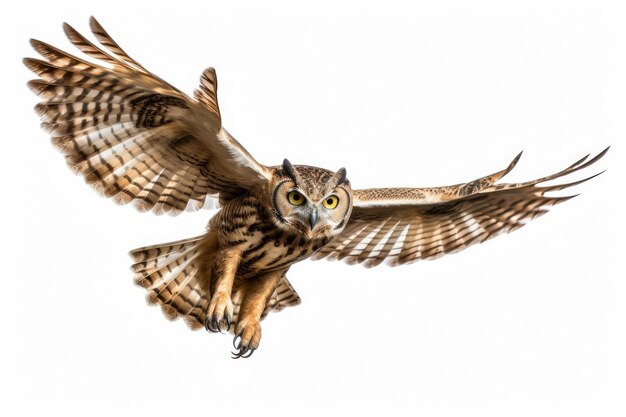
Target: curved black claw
[[243, 351], [209, 325], [250, 352], [218, 324], [235, 344], [229, 321], [213, 325], [240, 353]]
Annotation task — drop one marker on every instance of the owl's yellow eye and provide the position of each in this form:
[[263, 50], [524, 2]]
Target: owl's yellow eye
[[331, 202], [295, 198]]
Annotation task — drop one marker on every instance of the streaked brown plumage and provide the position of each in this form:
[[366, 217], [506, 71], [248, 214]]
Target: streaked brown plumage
[[135, 138]]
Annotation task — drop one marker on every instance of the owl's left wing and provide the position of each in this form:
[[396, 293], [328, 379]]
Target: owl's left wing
[[133, 136], [403, 225]]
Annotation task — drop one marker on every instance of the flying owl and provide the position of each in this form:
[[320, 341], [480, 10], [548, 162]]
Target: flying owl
[[136, 138]]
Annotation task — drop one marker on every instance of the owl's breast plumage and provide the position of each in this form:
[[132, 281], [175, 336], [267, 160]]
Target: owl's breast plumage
[[247, 224]]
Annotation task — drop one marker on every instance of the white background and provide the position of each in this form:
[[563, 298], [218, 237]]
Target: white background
[[430, 93]]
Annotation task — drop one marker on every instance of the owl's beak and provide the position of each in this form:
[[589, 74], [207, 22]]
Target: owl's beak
[[313, 218]]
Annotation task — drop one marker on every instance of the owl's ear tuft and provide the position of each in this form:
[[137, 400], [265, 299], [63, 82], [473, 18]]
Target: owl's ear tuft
[[337, 179], [290, 170], [341, 173]]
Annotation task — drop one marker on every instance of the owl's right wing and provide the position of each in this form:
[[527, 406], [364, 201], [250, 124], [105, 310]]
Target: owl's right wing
[[404, 225], [133, 136]]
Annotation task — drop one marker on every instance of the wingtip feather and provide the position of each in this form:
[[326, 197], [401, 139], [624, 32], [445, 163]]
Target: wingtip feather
[[559, 187], [72, 34], [580, 161], [36, 86], [512, 164], [39, 46], [67, 28], [94, 24], [601, 154], [98, 30]]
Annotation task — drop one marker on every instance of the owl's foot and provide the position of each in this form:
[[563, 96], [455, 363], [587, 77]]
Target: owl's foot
[[247, 338], [219, 317]]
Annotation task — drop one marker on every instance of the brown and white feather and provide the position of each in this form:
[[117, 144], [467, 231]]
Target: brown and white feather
[[404, 225], [134, 137]]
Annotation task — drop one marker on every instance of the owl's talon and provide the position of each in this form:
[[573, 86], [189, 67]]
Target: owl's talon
[[240, 353], [243, 352], [208, 325], [235, 344], [247, 337], [216, 325], [220, 314]]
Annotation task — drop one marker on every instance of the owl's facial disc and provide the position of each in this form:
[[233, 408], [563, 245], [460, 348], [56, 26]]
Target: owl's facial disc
[[299, 212], [312, 201]]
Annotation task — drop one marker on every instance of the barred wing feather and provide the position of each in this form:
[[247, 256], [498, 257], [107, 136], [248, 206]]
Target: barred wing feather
[[134, 137], [404, 225]]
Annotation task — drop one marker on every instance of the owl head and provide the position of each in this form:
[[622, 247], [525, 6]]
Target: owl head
[[311, 201]]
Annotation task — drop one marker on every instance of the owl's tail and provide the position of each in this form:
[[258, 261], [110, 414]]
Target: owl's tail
[[169, 272]]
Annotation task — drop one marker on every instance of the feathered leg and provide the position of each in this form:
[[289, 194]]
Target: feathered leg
[[219, 316], [256, 293]]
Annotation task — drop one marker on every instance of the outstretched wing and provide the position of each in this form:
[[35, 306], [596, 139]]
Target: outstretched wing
[[133, 136], [403, 225]]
